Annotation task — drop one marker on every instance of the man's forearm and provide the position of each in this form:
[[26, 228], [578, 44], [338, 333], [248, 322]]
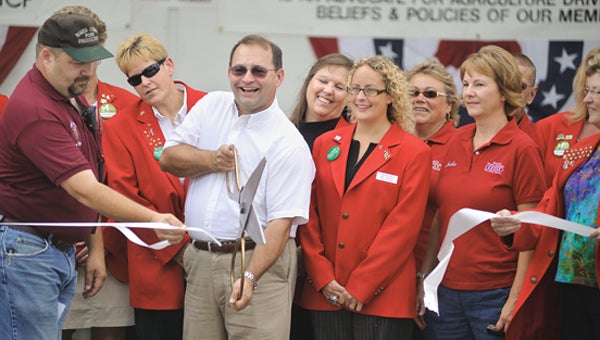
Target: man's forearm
[[277, 234], [187, 161]]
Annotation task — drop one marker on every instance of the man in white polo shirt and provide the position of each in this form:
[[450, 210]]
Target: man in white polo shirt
[[249, 120]]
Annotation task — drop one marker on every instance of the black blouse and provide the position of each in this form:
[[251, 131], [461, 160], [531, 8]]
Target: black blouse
[[352, 166]]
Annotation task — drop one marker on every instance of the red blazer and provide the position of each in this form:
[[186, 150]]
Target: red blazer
[[115, 96], [130, 142], [364, 237], [3, 102], [552, 131], [545, 241]]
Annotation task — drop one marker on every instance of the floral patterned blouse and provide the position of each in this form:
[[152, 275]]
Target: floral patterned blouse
[[576, 261]]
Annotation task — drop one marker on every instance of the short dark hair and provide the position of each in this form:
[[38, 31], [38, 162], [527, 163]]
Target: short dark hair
[[525, 61], [254, 39]]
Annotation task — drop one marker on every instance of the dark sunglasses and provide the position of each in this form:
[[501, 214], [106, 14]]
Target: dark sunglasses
[[90, 118], [257, 71], [427, 93], [148, 72]]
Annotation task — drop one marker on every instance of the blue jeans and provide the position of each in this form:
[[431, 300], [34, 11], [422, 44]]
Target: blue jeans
[[465, 314], [37, 284]]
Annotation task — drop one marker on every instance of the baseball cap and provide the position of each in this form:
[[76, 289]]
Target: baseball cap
[[76, 34]]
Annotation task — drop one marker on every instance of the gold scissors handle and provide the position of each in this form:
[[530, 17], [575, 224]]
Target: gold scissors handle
[[240, 244], [236, 172]]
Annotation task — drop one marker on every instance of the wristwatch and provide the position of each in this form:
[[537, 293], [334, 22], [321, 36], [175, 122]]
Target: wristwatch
[[252, 278]]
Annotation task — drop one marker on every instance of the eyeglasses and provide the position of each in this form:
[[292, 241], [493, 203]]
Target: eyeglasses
[[427, 93], [525, 86], [148, 72], [256, 70], [367, 91], [591, 93]]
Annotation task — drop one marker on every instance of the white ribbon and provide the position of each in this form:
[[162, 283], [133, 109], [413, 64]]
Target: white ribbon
[[466, 219], [124, 229]]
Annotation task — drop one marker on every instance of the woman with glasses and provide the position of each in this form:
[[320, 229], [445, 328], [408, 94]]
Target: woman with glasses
[[487, 166], [133, 142], [561, 283], [321, 107], [435, 107], [561, 131], [368, 201]]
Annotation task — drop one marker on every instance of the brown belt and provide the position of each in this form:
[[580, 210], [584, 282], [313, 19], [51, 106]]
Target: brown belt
[[59, 243], [225, 247]]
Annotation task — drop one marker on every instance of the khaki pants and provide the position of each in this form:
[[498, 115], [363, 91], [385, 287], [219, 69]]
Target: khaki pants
[[109, 308], [207, 314]]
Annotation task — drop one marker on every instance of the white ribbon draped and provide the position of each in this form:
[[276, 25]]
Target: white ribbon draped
[[466, 219], [124, 228]]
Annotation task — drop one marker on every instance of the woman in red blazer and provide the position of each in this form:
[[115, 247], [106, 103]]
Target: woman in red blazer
[[561, 131], [132, 143], [321, 107], [575, 196], [368, 201]]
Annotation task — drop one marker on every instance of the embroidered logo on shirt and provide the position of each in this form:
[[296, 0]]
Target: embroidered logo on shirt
[[436, 165], [451, 164], [75, 134], [494, 168]]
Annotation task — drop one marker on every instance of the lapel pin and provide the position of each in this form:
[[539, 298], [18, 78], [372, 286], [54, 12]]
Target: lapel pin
[[333, 153]]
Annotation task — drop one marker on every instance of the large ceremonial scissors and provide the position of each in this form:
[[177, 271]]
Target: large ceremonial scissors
[[248, 219]]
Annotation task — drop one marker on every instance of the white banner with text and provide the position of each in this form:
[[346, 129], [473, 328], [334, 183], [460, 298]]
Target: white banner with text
[[443, 19]]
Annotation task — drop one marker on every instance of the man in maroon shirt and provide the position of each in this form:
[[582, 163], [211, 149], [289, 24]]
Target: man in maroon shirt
[[49, 168]]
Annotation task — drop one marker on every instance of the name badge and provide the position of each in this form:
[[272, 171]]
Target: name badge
[[388, 178]]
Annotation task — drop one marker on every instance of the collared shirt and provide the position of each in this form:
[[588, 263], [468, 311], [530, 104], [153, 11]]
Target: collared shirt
[[438, 144], [43, 142], [501, 174], [164, 122], [528, 127], [284, 189]]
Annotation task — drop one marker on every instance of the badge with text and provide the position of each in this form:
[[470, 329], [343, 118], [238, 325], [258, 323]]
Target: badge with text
[[385, 177], [107, 110], [561, 146], [333, 153]]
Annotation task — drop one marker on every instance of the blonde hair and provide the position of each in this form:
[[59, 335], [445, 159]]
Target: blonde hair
[[588, 67], [433, 68], [498, 64], [396, 86], [139, 46]]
